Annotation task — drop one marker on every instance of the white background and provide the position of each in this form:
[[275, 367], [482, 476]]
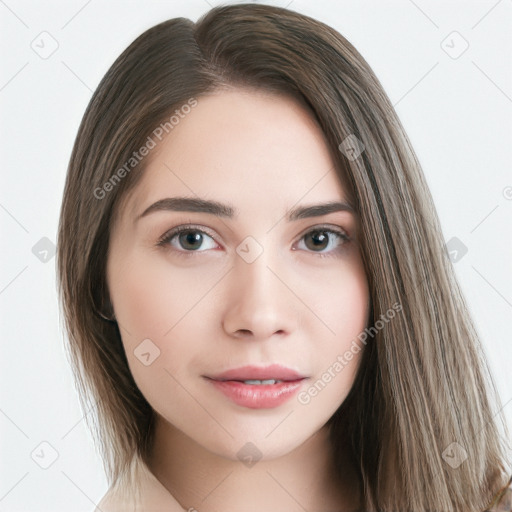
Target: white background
[[457, 113]]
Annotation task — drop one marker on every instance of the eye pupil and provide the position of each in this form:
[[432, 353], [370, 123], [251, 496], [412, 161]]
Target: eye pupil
[[191, 237], [320, 238]]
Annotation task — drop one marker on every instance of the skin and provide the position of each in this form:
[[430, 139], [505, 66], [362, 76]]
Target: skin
[[209, 310]]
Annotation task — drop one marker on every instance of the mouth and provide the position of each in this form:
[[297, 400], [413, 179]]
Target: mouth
[[258, 388]]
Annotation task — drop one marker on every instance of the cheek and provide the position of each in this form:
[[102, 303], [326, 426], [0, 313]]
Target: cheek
[[151, 295], [155, 306], [344, 310], [342, 303]]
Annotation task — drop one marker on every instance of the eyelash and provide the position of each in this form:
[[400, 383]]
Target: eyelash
[[169, 235]]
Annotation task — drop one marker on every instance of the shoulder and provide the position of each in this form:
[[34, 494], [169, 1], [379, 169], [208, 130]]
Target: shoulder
[[503, 501], [153, 497], [110, 503]]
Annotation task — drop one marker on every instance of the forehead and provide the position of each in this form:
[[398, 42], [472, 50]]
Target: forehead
[[250, 148]]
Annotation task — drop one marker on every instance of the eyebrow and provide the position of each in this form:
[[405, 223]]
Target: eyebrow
[[190, 204]]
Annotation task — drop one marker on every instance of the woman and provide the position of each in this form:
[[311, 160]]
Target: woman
[[255, 284]]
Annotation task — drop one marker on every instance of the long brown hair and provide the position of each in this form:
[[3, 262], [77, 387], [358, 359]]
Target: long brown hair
[[423, 384]]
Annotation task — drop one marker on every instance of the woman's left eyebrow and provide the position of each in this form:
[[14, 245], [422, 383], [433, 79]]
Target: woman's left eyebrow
[[194, 204], [317, 210]]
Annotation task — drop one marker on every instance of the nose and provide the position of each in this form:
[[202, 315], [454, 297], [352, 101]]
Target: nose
[[259, 303]]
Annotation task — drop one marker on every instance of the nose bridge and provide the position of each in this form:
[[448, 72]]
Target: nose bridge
[[259, 302], [256, 275], [252, 262]]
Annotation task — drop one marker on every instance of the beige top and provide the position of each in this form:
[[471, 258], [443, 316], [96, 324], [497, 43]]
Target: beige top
[[156, 498]]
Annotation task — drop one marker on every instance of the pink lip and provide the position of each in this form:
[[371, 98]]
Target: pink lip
[[274, 371], [255, 396]]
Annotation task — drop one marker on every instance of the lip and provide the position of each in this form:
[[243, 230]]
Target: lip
[[258, 396], [273, 371]]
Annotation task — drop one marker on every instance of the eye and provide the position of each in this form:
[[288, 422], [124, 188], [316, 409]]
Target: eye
[[323, 237], [189, 239]]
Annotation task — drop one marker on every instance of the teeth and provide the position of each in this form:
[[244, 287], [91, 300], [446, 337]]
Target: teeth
[[262, 382]]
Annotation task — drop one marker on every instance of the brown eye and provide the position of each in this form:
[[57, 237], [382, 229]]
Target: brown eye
[[320, 239], [187, 239], [190, 239]]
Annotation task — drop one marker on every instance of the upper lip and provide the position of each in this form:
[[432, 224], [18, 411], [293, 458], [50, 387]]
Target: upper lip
[[274, 371]]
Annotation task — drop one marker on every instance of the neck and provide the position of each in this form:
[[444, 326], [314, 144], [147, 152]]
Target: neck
[[303, 479]]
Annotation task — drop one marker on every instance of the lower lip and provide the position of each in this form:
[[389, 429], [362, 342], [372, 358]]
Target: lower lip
[[254, 396]]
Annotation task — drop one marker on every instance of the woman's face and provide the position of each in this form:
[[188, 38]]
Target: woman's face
[[246, 286]]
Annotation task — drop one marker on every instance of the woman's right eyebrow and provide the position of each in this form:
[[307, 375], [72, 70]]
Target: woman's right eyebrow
[[198, 205], [190, 204]]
